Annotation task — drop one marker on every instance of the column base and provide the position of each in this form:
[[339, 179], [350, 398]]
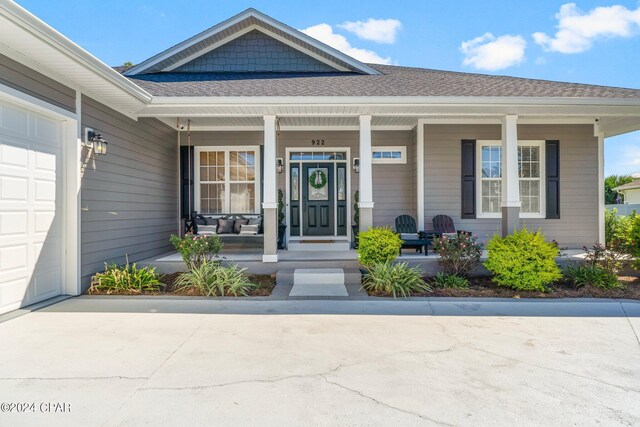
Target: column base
[[510, 220], [270, 227], [366, 218], [270, 258]]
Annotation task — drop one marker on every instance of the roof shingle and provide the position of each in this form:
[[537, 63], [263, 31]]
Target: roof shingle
[[394, 81]]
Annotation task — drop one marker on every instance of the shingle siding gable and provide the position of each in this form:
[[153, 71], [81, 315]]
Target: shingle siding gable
[[254, 52]]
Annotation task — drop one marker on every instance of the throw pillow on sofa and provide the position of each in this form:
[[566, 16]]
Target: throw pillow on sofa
[[225, 226], [238, 223]]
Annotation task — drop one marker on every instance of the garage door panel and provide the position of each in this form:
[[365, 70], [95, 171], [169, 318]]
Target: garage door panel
[[13, 156], [31, 235], [12, 293], [13, 188], [13, 257], [13, 223], [14, 121]]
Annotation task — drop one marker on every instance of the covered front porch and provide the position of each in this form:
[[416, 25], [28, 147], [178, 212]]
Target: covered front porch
[[303, 166]]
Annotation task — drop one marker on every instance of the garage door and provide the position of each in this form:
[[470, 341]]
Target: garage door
[[31, 244]]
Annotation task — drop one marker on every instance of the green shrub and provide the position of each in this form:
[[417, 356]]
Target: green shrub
[[444, 280], [523, 261], [213, 279], [591, 275], [127, 278], [459, 254], [395, 279], [197, 250], [378, 245], [632, 246]]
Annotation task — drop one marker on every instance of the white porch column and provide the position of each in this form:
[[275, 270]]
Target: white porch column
[[366, 175], [510, 179], [420, 175], [601, 205], [269, 198]]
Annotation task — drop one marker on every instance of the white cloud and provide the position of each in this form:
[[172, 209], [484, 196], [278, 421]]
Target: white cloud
[[325, 34], [577, 30], [377, 30], [489, 53]]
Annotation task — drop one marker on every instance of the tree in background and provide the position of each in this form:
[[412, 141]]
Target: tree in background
[[612, 182]]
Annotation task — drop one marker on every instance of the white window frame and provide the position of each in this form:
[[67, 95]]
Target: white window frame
[[227, 175], [526, 143], [401, 148]]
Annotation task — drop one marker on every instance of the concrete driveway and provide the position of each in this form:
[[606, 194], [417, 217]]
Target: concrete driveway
[[124, 361]]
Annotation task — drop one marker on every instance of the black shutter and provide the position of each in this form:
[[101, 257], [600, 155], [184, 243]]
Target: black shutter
[[553, 179], [186, 181], [468, 179]]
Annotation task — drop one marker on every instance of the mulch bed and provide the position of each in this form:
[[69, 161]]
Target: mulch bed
[[265, 283], [483, 287]]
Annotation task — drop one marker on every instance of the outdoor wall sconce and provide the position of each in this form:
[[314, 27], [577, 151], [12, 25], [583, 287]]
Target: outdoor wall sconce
[[356, 164], [279, 164], [95, 141]]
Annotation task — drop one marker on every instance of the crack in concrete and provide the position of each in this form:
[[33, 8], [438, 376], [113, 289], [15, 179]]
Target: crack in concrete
[[386, 405], [630, 324], [547, 368]]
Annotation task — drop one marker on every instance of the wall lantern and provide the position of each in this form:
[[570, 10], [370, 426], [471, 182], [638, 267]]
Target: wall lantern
[[279, 164], [95, 141], [356, 164]]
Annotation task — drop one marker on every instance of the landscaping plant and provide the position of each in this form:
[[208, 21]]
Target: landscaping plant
[[378, 245], [523, 261], [600, 268], [459, 254], [395, 279], [128, 279], [212, 279], [197, 250], [444, 280]]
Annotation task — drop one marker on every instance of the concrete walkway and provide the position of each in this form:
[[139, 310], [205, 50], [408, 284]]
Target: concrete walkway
[[172, 361]]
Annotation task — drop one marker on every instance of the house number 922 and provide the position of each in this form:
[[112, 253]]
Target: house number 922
[[317, 142]]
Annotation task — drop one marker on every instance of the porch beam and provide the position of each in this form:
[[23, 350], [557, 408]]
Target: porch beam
[[510, 180], [420, 174], [269, 198], [366, 174]]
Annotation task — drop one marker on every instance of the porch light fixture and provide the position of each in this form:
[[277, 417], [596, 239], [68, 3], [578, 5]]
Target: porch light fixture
[[356, 164], [95, 141], [279, 164]]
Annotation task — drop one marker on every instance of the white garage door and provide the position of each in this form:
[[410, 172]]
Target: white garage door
[[31, 244]]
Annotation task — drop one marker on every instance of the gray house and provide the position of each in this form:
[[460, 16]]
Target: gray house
[[220, 122]]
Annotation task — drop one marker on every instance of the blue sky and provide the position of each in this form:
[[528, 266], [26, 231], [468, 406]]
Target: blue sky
[[594, 42]]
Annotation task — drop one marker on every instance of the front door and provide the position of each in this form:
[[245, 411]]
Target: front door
[[318, 199]]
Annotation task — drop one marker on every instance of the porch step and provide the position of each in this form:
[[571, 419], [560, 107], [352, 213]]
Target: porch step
[[320, 282], [318, 245]]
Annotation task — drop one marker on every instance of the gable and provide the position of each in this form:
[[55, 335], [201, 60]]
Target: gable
[[300, 51], [255, 52]]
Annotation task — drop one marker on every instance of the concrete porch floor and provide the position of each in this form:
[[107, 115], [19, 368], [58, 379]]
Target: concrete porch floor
[[171, 262]]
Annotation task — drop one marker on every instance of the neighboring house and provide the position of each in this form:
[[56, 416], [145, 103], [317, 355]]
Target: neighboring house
[[630, 192], [267, 108]]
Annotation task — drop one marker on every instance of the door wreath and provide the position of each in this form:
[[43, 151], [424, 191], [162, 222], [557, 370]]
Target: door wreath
[[318, 179]]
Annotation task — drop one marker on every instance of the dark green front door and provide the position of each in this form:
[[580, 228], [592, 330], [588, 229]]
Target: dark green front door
[[318, 199]]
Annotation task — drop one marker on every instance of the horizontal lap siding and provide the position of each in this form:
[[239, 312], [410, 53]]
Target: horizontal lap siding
[[130, 196], [578, 223], [394, 185], [24, 79], [578, 179]]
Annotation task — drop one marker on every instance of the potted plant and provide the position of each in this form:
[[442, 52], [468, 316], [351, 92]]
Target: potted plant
[[356, 220], [282, 228]]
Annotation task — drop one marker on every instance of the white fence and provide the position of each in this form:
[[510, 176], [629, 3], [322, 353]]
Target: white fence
[[624, 210]]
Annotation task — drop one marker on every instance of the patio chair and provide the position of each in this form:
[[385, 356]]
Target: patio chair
[[443, 224], [411, 237]]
